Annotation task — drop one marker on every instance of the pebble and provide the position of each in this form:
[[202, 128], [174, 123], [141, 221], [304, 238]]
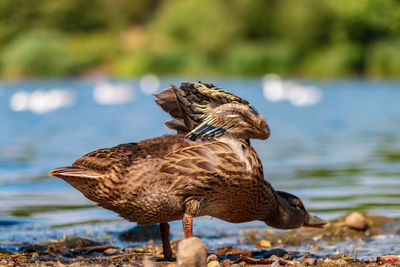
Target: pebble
[[212, 257], [356, 221], [309, 261], [213, 264], [274, 258], [111, 251], [265, 243], [380, 260], [391, 258], [341, 262], [148, 263], [191, 252], [318, 247]]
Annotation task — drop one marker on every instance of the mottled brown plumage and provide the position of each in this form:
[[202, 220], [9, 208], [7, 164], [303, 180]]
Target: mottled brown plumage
[[171, 177], [167, 178], [204, 111]]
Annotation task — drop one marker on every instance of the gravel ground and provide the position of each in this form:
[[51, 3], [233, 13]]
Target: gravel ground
[[317, 248]]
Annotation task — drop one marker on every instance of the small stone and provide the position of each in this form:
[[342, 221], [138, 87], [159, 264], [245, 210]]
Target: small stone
[[391, 258], [318, 247], [227, 262], [356, 221], [111, 251], [148, 263], [265, 243], [129, 250], [341, 262], [35, 256], [212, 257], [274, 258], [213, 264], [191, 252], [380, 260], [309, 261], [139, 250]]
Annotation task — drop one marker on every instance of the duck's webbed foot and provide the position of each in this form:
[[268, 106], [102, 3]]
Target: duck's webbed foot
[[167, 251], [187, 222]]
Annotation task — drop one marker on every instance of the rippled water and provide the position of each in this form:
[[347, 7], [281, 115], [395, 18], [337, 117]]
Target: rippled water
[[340, 154]]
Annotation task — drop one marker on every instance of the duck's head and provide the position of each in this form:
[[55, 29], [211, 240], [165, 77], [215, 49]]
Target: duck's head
[[294, 214]]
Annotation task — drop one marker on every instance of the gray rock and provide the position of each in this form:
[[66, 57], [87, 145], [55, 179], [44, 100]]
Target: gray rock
[[191, 252], [141, 233], [356, 221]]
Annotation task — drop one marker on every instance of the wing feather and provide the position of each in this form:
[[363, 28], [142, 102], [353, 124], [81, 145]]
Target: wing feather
[[106, 159], [76, 172], [208, 160], [118, 159], [187, 103]]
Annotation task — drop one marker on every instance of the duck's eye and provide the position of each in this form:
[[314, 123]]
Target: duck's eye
[[297, 205], [243, 147]]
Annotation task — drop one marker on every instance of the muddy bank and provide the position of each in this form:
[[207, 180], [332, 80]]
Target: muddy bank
[[274, 248]]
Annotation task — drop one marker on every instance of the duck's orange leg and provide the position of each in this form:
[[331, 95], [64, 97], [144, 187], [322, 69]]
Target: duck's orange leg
[[187, 225], [167, 251]]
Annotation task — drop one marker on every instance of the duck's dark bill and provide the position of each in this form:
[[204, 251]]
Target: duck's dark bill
[[314, 221]]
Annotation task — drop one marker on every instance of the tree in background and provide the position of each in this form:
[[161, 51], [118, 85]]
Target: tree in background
[[320, 38]]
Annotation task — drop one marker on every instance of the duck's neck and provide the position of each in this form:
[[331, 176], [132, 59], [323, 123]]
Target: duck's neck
[[279, 214]]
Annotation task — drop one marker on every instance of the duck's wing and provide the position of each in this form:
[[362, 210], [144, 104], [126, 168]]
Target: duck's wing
[[186, 103], [116, 160], [204, 111], [196, 169]]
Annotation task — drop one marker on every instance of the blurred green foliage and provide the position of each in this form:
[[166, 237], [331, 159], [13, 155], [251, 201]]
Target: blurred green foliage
[[122, 38]]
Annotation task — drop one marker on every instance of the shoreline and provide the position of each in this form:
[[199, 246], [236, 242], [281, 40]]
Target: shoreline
[[271, 247]]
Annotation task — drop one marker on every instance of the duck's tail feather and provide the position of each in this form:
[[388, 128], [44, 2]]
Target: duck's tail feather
[[74, 172]]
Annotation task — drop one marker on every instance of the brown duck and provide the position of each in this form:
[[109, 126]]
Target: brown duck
[[171, 177]]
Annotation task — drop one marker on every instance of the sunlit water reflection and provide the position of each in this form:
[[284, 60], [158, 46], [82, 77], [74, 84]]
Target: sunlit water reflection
[[338, 155]]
